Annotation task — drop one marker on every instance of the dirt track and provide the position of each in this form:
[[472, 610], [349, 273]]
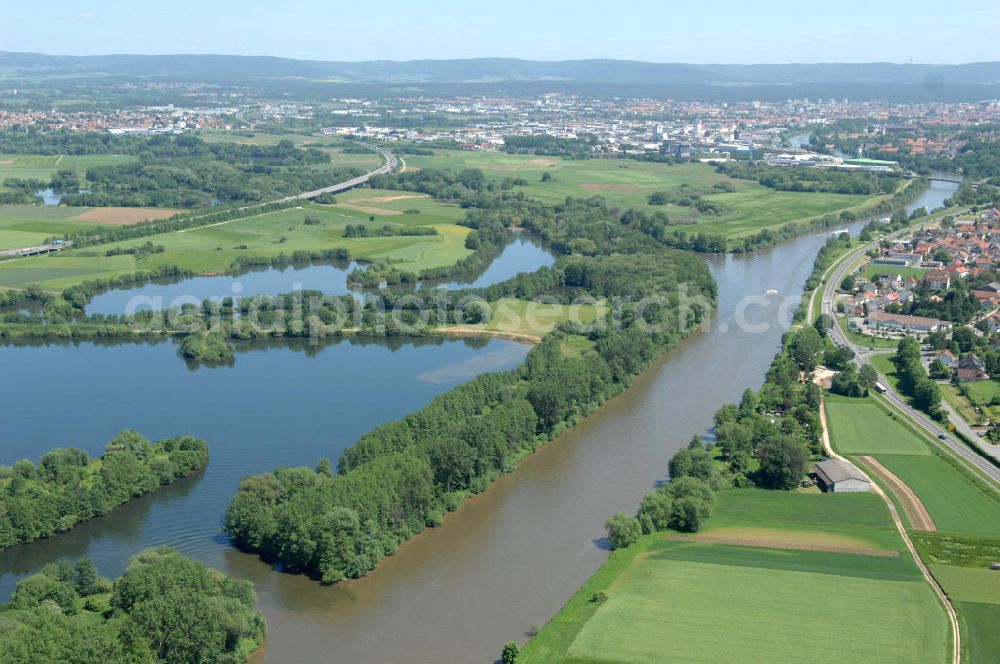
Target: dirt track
[[786, 544], [920, 518]]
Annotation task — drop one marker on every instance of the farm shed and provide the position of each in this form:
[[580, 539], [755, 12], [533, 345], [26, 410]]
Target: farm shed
[[838, 476]]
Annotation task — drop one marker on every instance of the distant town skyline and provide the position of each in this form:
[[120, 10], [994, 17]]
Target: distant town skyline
[[720, 31]]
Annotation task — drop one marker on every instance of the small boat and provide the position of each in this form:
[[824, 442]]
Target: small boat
[[771, 291]]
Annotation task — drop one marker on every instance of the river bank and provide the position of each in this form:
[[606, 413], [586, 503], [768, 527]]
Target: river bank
[[508, 557]]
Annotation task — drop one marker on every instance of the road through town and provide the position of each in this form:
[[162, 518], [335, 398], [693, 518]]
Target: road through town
[[835, 275]]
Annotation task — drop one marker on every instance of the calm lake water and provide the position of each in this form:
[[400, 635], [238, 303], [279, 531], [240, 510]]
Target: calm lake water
[[504, 561], [279, 404], [523, 253]]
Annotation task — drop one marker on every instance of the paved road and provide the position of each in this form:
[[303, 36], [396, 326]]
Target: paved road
[[959, 448], [35, 251], [391, 161]]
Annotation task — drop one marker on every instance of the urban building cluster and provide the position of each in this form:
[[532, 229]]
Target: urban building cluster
[[668, 127], [146, 120], [958, 259]]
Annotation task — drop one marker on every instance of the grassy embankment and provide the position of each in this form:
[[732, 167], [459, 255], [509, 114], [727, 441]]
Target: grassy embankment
[[966, 513]]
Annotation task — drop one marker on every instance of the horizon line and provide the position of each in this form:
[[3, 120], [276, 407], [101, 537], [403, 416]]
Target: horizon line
[[503, 57]]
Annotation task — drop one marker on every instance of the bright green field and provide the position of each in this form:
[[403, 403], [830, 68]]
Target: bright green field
[[871, 271], [983, 391], [681, 600], [982, 638], [42, 167], [213, 248], [627, 184], [861, 515], [667, 603], [860, 426], [954, 502], [512, 316], [30, 225], [967, 584]]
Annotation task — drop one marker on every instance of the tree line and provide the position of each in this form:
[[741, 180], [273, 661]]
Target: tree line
[[405, 475], [67, 486], [165, 608], [784, 178], [765, 440]]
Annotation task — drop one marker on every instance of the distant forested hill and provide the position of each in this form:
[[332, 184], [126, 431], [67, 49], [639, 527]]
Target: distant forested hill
[[917, 81]]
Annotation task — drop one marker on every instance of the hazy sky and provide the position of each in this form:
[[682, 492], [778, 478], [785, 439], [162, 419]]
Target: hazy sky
[[744, 31]]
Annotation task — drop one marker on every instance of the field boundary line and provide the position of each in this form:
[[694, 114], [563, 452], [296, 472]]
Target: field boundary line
[[956, 631]]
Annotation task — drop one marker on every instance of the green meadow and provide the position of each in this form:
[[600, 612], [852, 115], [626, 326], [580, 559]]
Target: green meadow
[[982, 639], [862, 426], [41, 167], [748, 209], [675, 598], [954, 501], [957, 502], [215, 247], [30, 225]]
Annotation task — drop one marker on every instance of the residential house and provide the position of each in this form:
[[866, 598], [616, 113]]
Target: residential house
[[971, 361], [947, 358], [890, 278], [938, 280], [970, 375]]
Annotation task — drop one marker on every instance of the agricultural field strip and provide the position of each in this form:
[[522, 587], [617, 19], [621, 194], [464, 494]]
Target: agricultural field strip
[[956, 632]]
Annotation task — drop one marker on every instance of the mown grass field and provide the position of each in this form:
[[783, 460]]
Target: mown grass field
[[953, 500], [30, 225], [869, 618], [213, 248], [861, 426], [966, 513], [521, 317], [982, 638], [41, 167], [967, 584], [872, 271], [627, 184], [673, 598]]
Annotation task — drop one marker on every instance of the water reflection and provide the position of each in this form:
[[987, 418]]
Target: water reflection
[[523, 253]]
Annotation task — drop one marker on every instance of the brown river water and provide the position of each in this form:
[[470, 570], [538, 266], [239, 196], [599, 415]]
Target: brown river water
[[501, 564]]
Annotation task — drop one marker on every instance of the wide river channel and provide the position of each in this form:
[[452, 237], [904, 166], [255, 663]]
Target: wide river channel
[[503, 563]]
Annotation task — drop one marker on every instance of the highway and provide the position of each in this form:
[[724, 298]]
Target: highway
[[833, 280], [35, 251], [391, 161]]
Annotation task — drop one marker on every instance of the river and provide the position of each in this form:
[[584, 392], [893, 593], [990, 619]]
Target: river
[[504, 562]]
